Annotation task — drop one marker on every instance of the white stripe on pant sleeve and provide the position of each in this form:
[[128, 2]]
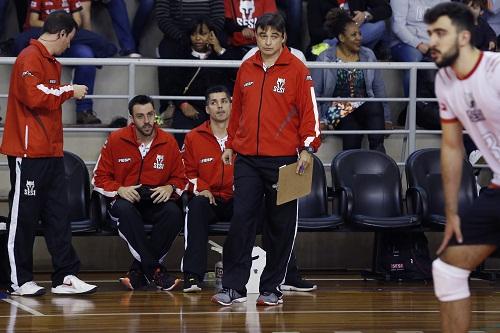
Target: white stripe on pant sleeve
[[13, 225]]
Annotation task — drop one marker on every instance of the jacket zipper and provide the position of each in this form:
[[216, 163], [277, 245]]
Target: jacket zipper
[[260, 107], [140, 171]]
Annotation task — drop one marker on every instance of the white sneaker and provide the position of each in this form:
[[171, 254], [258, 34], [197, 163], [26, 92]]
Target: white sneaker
[[29, 288], [73, 285]]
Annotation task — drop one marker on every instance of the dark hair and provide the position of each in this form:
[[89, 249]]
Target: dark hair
[[216, 89], [272, 20], [336, 20], [59, 21], [197, 24], [141, 100], [460, 15], [483, 4]]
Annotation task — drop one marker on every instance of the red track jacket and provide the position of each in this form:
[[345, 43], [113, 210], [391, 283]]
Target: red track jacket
[[33, 124], [204, 167], [274, 111], [121, 163]]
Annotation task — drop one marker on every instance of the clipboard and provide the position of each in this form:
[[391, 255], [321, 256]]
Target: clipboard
[[292, 186]]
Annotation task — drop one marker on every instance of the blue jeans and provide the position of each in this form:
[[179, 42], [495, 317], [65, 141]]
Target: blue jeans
[[85, 44], [141, 18], [406, 53], [119, 17], [372, 33]]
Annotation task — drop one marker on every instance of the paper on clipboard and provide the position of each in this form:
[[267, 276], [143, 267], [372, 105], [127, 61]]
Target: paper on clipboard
[[292, 186]]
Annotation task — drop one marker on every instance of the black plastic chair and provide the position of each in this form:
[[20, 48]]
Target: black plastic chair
[[78, 187], [313, 208], [369, 186], [425, 193]]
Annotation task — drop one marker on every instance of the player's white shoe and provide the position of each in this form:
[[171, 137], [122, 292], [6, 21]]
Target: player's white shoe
[[72, 285]]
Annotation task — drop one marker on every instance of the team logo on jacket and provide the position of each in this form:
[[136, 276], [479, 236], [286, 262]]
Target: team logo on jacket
[[206, 160], [30, 188], [280, 86], [247, 9], [123, 160], [247, 84], [159, 162]]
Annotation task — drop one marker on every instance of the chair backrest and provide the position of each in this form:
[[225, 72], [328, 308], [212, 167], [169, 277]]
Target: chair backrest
[[423, 169], [78, 187], [315, 203], [374, 180]]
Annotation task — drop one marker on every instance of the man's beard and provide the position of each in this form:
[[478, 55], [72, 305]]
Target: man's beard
[[143, 132], [449, 58]]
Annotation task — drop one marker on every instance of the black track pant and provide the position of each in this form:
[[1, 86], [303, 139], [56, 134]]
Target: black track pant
[[200, 214], [254, 177], [38, 193], [166, 219]]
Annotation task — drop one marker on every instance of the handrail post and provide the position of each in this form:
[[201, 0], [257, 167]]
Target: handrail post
[[412, 111], [131, 81]]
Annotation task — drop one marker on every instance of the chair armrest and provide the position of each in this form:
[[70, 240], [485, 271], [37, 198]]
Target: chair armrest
[[416, 201], [99, 208], [346, 202]]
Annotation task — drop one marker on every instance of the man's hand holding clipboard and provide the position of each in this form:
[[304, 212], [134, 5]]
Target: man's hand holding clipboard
[[295, 180]]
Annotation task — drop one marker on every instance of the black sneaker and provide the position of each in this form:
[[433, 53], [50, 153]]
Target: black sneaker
[[134, 280], [87, 117], [297, 283], [191, 284], [164, 281], [229, 296]]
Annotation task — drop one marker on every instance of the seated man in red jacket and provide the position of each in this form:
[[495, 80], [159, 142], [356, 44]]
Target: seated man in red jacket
[[211, 182], [141, 168]]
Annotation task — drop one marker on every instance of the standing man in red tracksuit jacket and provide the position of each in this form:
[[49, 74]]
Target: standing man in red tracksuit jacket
[[211, 182], [33, 142], [140, 167], [273, 119]]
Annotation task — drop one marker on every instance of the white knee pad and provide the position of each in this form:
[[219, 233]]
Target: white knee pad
[[450, 282]]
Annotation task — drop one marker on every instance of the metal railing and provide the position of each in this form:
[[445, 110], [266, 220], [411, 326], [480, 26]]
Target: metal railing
[[410, 131]]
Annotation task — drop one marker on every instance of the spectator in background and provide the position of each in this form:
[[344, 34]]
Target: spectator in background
[[192, 81], [117, 10], [368, 14], [347, 82], [175, 19], [412, 41], [85, 44], [483, 36], [240, 19], [140, 168]]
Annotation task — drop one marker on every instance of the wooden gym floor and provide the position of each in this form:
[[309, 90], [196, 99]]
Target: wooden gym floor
[[342, 303]]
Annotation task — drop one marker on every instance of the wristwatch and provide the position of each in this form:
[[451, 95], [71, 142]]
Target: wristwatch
[[309, 149], [173, 187]]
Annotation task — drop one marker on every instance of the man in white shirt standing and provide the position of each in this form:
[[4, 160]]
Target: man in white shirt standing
[[468, 88]]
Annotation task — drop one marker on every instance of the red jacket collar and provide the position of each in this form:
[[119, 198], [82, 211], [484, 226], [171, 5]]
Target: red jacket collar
[[285, 57], [42, 48]]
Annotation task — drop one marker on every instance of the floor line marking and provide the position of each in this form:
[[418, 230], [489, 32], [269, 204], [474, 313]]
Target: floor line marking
[[23, 307], [232, 312]]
